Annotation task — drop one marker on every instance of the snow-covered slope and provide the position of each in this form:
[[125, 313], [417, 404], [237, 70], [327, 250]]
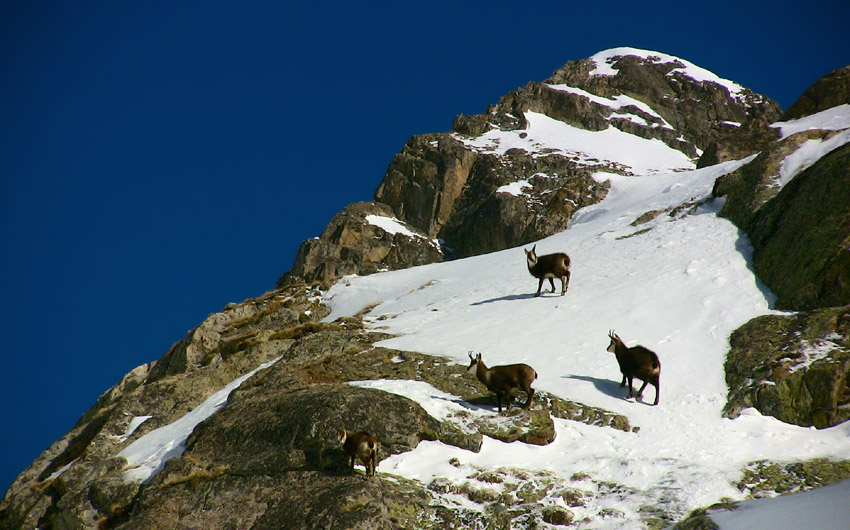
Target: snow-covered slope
[[679, 284]]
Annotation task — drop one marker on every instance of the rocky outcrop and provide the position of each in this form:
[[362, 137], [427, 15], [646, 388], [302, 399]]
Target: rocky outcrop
[[362, 239], [795, 368], [830, 91], [701, 112], [799, 224], [802, 237], [800, 231]]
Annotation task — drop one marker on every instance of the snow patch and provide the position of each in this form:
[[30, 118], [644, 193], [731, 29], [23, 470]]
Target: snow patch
[[807, 154], [612, 147], [617, 103], [391, 225], [824, 508], [833, 119], [134, 424], [514, 188], [147, 455]]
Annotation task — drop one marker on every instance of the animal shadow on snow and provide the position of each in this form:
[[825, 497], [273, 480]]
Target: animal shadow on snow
[[612, 388], [507, 298]]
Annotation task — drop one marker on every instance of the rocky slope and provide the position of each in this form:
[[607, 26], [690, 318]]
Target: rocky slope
[[269, 459], [500, 179]]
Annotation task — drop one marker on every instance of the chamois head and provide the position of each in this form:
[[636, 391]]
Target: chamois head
[[473, 361], [531, 256], [612, 347]]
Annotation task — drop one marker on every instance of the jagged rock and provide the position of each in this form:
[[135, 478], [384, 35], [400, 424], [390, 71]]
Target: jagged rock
[[489, 218], [351, 244], [795, 368], [829, 91], [700, 111], [425, 179], [533, 426]]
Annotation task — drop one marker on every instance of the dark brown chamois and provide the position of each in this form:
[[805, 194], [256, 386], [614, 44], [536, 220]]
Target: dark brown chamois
[[360, 445], [549, 267], [636, 361], [504, 380]]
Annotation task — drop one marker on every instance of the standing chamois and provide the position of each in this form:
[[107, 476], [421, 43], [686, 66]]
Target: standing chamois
[[549, 266], [360, 445], [504, 380], [636, 361]]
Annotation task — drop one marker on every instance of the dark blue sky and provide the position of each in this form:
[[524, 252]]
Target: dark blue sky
[[161, 159]]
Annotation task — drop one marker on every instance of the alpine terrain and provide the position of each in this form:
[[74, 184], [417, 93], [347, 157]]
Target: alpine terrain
[[701, 222]]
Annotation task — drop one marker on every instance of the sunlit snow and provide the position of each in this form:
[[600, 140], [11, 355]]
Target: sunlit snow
[[547, 135], [807, 154], [390, 225], [617, 103], [834, 119], [146, 456]]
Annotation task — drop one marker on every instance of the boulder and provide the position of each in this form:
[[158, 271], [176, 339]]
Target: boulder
[[795, 368]]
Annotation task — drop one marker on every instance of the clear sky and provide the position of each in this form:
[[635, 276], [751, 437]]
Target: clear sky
[[161, 159]]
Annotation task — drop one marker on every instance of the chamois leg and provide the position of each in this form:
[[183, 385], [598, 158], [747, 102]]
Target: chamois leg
[[623, 383], [552, 283], [642, 388], [567, 281], [539, 287], [631, 389], [657, 390], [563, 285]]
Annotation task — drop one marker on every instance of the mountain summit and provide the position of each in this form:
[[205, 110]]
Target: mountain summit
[[518, 172], [689, 212]]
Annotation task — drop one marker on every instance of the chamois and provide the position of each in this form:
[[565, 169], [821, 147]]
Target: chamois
[[504, 380], [360, 445], [549, 266], [636, 361]]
